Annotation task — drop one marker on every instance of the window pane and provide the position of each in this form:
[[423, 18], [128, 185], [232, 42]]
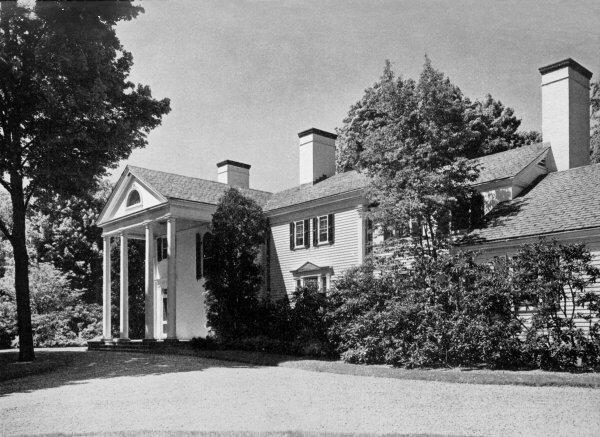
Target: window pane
[[323, 283], [323, 229], [300, 233]]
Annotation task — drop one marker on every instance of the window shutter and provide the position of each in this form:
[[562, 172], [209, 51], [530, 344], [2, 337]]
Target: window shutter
[[331, 228], [315, 231], [292, 226], [198, 256], [307, 233]]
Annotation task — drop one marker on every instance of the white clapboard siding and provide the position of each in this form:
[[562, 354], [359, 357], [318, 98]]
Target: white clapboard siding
[[340, 255]]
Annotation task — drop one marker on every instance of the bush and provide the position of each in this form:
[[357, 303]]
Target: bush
[[58, 316], [234, 275], [553, 280]]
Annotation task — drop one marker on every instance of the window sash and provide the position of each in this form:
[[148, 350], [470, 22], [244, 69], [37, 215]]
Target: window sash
[[299, 233], [323, 222]]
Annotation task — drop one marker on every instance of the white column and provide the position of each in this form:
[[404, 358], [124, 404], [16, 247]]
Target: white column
[[171, 279], [124, 295], [106, 334], [149, 300]]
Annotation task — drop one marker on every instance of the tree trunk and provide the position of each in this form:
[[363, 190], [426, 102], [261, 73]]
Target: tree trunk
[[21, 258]]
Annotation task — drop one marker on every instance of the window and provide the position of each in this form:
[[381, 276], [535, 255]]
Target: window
[[299, 234], [133, 198], [323, 223], [161, 249], [323, 283], [299, 239], [207, 254]]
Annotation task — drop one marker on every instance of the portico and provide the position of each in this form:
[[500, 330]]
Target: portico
[[173, 230]]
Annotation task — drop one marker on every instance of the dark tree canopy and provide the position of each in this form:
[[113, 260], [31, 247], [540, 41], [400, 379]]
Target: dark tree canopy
[[595, 121], [67, 111], [233, 282], [494, 127]]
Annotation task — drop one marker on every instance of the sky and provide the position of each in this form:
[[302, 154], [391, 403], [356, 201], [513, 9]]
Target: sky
[[244, 77]]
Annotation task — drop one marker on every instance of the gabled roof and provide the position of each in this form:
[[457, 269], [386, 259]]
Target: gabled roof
[[508, 164], [336, 184], [174, 186], [562, 201]]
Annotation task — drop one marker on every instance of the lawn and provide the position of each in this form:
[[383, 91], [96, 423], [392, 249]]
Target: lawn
[[52, 359], [46, 361]]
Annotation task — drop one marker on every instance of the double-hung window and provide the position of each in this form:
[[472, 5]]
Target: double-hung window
[[299, 233], [323, 228]]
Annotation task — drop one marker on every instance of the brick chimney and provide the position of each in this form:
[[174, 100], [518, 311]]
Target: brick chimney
[[317, 154], [234, 173], [566, 112]]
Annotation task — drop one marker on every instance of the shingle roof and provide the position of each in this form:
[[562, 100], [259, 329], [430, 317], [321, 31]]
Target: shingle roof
[[507, 164], [174, 186], [561, 201], [336, 184]]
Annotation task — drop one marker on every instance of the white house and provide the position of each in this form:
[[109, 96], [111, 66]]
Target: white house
[[319, 229]]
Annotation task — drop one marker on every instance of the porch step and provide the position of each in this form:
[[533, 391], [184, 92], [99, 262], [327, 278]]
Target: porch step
[[139, 346]]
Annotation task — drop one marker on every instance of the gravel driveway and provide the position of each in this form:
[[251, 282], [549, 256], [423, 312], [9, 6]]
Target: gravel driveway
[[116, 392]]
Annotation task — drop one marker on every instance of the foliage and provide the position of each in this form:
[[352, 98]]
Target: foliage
[[417, 163], [62, 231], [234, 278], [59, 317], [68, 111], [496, 127], [454, 311], [552, 280], [595, 121], [493, 125]]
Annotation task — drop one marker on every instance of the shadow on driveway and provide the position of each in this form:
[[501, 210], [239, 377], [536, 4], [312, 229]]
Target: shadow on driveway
[[54, 368]]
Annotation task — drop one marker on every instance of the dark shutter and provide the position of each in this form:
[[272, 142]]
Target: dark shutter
[[307, 233], [198, 256], [331, 228], [315, 231], [292, 226]]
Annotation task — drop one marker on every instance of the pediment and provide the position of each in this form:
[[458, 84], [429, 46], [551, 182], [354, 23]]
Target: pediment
[[124, 201], [309, 267]]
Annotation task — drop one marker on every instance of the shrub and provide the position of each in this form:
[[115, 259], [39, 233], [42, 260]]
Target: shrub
[[234, 276], [59, 318], [553, 280]]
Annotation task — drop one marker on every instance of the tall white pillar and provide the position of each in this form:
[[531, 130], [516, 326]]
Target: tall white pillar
[[124, 295], [106, 334], [149, 299], [171, 279]]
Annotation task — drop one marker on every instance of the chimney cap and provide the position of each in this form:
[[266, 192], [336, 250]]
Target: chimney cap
[[234, 163], [567, 63], [314, 130]]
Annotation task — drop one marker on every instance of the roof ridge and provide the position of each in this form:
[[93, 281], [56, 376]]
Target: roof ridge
[[532, 145], [194, 177]]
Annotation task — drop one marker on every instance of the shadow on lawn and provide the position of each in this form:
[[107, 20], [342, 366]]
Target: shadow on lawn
[[58, 368]]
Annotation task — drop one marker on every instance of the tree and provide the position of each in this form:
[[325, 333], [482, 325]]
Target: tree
[[417, 163], [496, 127], [595, 121], [63, 231], [234, 277], [67, 113], [493, 125]]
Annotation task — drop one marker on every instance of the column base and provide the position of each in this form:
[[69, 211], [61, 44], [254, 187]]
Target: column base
[[107, 341]]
